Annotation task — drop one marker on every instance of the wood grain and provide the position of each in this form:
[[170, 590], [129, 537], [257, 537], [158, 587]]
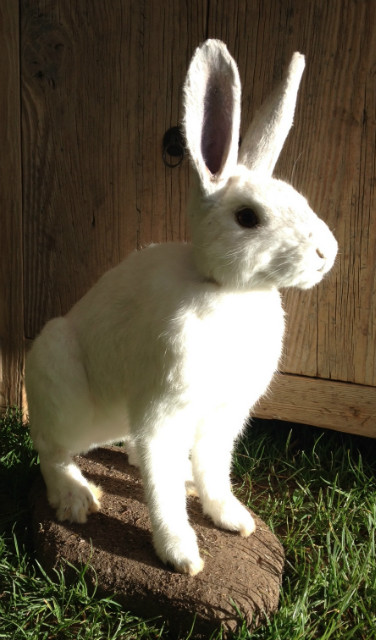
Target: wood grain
[[101, 83], [11, 299], [323, 403], [329, 156]]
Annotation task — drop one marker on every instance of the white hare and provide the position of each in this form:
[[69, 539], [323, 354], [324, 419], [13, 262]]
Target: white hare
[[174, 346]]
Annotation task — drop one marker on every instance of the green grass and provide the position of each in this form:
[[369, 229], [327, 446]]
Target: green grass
[[315, 489]]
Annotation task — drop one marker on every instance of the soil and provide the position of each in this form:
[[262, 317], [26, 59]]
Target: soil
[[241, 577]]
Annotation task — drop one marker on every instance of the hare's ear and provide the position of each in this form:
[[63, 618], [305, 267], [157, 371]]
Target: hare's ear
[[266, 135], [212, 113]]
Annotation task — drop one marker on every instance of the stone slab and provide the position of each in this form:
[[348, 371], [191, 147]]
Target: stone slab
[[240, 575]]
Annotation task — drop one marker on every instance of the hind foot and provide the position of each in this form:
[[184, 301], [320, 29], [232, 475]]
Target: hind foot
[[73, 497]]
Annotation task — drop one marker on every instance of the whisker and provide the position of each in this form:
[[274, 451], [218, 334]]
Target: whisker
[[294, 167]]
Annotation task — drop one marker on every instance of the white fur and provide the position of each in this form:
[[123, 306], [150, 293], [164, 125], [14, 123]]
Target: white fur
[[172, 348], [266, 136]]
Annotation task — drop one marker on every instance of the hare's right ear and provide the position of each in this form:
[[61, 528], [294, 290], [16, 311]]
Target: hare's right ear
[[212, 113], [267, 133]]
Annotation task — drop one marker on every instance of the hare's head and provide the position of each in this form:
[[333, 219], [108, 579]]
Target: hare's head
[[249, 230]]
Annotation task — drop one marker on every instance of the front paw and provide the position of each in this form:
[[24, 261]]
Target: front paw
[[232, 515], [180, 551]]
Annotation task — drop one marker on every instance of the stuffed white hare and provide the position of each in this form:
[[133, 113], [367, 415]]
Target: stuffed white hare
[[173, 347]]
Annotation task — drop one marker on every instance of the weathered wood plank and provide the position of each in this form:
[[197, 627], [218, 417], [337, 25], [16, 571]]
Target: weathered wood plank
[[11, 297], [323, 403], [75, 132], [101, 82]]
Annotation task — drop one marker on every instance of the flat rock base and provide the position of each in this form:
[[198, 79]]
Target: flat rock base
[[240, 575]]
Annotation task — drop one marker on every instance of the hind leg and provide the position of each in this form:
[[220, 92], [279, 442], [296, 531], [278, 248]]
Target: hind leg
[[61, 419]]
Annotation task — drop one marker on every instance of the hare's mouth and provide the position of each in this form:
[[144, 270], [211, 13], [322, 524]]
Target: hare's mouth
[[308, 280]]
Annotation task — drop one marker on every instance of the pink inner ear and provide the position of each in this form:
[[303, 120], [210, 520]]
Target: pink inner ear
[[217, 125]]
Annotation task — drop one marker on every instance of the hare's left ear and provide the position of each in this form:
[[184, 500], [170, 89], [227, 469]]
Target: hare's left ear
[[268, 131], [212, 113]]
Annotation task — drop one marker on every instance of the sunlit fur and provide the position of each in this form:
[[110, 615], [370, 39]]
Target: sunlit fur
[[171, 349], [290, 247]]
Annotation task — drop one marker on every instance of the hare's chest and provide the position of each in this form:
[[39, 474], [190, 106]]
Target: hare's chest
[[232, 349]]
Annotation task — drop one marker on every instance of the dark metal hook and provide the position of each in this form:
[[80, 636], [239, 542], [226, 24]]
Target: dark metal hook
[[173, 146]]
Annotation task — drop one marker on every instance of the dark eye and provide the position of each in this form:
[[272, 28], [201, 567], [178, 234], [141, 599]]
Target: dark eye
[[247, 218]]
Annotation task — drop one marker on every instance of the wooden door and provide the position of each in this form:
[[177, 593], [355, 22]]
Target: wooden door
[[101, 83], [11, 267]]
